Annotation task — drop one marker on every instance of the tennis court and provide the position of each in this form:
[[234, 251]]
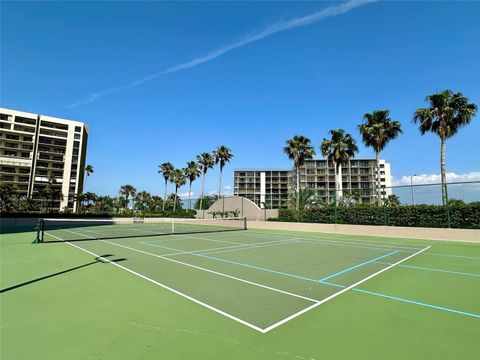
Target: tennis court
[[272, 282]]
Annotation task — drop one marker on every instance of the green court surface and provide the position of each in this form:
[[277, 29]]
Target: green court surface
[[250, 294]]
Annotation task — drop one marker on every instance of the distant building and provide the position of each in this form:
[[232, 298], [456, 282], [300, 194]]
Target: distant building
[[35, 148], [271, 187]]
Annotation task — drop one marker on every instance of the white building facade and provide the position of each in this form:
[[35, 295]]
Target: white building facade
[[270, 188], [37, 151]]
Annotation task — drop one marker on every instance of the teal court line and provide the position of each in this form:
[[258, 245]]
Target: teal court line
[[337, 285], [433, 269], [357, 266]]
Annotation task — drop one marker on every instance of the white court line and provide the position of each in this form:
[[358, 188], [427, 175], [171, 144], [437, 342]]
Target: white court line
[[197, 238], [271, 327], [212, 271], [347, 243], [172, 290], [339, 240], [233, 247]]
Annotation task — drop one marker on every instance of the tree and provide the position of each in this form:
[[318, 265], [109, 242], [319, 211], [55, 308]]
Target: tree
[[178, 178], [79, 198], [166, 170], [127, 191], [299, 149], [118, 203], [53, 192], [222, 156], [6, 197], [205, 161], [446, 114], [392, 201], [303, 199], [103, 205], [155, 204], [142, 201], [377, 131], [88, 172], [339, 149], [90, 198], [173, 202], [192, 172], [203, 202]]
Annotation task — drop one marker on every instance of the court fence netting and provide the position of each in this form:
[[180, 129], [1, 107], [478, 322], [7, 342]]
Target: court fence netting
[[58, 230]]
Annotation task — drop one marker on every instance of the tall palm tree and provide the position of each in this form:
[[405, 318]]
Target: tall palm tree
[[127, 191], [166, 170], [142, 200], [79, 198], [299, 149], [222, 156], [447, 113], [88, 172], [339, 149], [205, 161], [192, 172], [377, 131], [178, 178]]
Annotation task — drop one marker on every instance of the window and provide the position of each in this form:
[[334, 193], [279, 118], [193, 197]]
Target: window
[[78, 129], [77, 136]]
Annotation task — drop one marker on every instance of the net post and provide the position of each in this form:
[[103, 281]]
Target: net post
[[244, 223], [173, 226]]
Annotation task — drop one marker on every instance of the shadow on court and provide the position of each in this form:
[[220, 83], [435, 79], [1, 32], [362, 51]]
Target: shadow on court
[[97, 260]]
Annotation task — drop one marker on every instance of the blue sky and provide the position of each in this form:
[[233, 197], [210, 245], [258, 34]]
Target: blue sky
[[276, 80]]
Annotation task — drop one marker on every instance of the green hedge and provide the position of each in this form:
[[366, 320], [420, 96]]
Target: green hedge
[[465, 216]]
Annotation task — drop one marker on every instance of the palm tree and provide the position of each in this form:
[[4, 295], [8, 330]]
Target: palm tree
[[142, 200], [447, 113], [88, 172], [305, 199], [90, 198], [222, 156], [173, 202], [79, 198], [339, 149], [126, 191], [205, 162], [192, 172], [377, 131], [178, 178], [299, 149], [166, 171]]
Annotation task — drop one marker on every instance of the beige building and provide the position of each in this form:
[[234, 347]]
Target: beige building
[[271, 187], [35, 149]]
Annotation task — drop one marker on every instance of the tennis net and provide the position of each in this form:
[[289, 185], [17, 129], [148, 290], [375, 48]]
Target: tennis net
[[55, 230]]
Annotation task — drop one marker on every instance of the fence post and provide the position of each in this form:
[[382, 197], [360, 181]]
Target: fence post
[[335, 206], [448, 207], [384, 210]]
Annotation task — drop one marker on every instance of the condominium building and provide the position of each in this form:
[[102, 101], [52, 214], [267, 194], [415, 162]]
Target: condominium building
[[38, 151], [271, 188]]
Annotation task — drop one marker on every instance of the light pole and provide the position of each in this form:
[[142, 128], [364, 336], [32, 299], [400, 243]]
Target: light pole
[[411, 187]]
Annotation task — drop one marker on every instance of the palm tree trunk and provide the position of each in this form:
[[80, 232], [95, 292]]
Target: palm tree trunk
[[340, 184], [203, 187], [335, 173], [165, 195], [379, 198], [220, 183], [442, 170], [85, 184], [175, 202], [189, 195], [298, 188]]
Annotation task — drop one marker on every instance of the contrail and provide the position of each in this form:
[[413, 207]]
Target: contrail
[[280, 26]]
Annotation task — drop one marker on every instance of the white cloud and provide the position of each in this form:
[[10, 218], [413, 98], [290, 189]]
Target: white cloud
[[227, 187], [436, 178], [259, 34], [185, 194]]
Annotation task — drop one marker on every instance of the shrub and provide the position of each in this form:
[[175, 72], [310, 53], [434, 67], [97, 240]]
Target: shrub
[[465, 216]]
